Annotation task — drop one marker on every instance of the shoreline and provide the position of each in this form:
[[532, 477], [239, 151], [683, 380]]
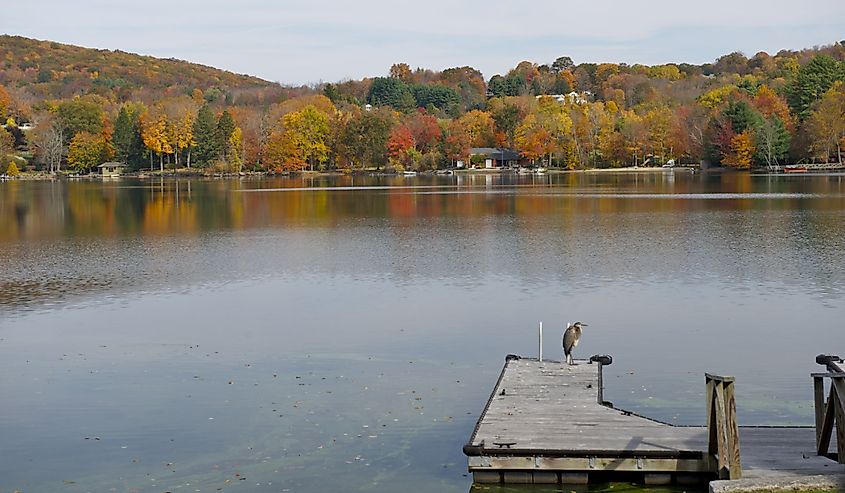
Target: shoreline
[[195, 173]]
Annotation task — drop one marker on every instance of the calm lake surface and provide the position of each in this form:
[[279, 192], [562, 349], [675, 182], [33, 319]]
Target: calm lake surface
[[340, 334]]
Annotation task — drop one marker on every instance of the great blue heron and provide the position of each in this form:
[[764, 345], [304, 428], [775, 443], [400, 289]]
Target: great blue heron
[[571, 337]]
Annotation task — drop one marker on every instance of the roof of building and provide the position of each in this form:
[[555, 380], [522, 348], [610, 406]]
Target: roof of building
[[500, 154], [112, 165]]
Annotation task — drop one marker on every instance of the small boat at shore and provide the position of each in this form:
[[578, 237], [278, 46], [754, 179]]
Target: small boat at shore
[[795, 169]]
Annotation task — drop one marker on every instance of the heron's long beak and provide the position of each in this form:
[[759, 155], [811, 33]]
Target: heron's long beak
[[584, 325]]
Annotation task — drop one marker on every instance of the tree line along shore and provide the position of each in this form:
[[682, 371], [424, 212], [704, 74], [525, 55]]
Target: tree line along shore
[[737, 112]]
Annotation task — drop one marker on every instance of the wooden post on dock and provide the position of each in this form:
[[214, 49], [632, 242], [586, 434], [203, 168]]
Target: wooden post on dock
[[722, 428], [830, 413]]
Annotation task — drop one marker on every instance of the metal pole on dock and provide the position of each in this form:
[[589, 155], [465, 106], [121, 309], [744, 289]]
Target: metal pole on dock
[[541, 342]]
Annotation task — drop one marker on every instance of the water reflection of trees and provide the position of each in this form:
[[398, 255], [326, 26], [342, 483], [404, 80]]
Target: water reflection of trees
[[609, 223], [178, 207]]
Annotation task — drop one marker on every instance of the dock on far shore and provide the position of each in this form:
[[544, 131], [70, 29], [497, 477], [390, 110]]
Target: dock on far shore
[[546, 422]]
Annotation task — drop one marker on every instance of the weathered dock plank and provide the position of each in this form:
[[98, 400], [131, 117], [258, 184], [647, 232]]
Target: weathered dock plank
[[546, 416], [545, 423], [553, 406]]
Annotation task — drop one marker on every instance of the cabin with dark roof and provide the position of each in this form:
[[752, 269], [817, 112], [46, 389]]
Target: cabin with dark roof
[[497, 157]]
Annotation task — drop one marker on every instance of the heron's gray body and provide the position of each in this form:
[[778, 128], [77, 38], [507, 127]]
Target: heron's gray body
[[571, 338]]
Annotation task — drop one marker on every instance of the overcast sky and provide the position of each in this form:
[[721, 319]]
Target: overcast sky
[[304, 41]]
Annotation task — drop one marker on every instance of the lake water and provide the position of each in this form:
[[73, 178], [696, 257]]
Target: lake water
[[343, 334]]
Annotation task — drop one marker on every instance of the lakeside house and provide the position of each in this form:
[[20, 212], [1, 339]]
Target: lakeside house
[[108, 170], [572, 97], [497, 157]]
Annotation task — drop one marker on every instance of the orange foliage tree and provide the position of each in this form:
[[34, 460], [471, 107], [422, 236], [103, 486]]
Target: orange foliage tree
[[741, 151]]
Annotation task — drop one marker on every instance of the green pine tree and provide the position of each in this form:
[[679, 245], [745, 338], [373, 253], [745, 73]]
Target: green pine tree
[[223, 135], [128, 145], [205, 135], [812, 81]]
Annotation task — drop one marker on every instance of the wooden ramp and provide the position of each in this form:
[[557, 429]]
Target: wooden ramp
[[546, 422]]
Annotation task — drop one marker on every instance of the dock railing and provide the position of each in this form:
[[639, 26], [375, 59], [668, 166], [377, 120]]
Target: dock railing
[[832, 411], [722, 428]]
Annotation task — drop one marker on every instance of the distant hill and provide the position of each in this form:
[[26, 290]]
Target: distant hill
[[50, 70]]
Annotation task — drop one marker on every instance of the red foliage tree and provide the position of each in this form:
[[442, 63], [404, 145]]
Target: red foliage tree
[[400, 142]]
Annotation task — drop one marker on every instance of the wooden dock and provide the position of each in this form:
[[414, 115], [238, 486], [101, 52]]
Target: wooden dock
[[547, 422]]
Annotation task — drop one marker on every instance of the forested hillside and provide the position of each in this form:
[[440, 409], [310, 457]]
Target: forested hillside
[[77, 107], [50, 70]]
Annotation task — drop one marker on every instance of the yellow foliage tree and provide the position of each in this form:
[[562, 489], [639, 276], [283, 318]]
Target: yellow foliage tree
[[307, 131], [658, 121], [554, 120], [278, 111], [532, 140], [713, 99], [668, 71], [742, 151], [281, 153], [12, 169], [481, 128], [236, 146], [154, 133], [826, 124], [5, 101], [87, 150]]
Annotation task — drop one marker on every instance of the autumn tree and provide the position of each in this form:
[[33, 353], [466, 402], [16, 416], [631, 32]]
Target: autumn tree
[[253, 125], [658, 121], [588, 119], [277, 111], [742, 151], [364, 138], [154, 133], [457, 142], [236, 149], [5, 102], [635, 137], [532, 140], [86, 151], [425, 130], [770, 104], [279, 152], [507, 118], [825, 125], [401, 71], [400, 145], [480, 127], [181, 115], [555, 122], [306, 132], [12, 169]]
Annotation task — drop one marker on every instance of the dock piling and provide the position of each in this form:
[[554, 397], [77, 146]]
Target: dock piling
[[540, 348]]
